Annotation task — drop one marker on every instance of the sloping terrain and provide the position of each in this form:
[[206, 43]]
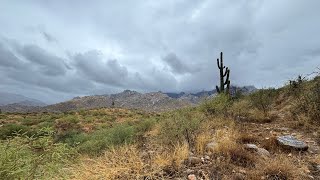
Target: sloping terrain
[[154, 101], [10, 98], [126, 99]]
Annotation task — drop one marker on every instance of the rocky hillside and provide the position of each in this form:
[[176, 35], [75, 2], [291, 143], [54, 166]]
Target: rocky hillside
[[127, 99], [154, 101]]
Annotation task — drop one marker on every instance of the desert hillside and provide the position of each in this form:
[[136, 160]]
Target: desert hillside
[[152, 101], [270, 134]]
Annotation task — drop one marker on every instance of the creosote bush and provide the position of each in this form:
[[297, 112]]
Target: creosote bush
[[217, 106], [240, 109], [308, 103], [263, 99], [180, 127]]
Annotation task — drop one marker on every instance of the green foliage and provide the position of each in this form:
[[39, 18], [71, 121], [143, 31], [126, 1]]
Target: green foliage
[[217, 105], [30, 122], [145, 125], [66, 123], [66, 126], [102, 139], [309, 102], [240, 108], [295, 87], [263, 99], [10, 130], [33, 158], [179, 127]]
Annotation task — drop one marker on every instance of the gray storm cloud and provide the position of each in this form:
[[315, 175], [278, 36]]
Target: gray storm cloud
[[55, 50]]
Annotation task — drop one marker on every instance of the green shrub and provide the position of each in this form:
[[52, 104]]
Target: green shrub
[[263, 99], [240, 109], [102, 139], [10, 130], [217, 105], [309, 103], [33, 158], [30, 121], [145, 125], [178, 128], [67, 123]]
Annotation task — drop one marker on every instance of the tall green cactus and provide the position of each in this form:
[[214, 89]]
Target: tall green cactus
[[223, 74]]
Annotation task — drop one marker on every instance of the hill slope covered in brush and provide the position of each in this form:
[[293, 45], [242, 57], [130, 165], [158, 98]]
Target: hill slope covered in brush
[[269, 134]]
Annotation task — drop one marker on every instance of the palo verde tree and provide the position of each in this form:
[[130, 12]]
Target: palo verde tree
[[224, 76]]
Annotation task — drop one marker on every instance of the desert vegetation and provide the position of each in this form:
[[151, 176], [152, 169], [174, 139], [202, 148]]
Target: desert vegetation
[[214, 140]]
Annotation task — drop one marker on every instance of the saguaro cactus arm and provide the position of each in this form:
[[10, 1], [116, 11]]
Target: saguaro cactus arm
[[223, 74]]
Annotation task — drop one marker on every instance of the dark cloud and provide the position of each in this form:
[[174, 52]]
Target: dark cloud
[[92, 65], [177, 65], [49, 64], [48, 37], [107, 46], [8, 59]]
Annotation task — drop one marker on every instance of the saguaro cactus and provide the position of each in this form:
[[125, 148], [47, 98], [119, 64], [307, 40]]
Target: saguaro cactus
[[223, 74]]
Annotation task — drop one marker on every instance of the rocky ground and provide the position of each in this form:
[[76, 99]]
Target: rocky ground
[[272, 145]]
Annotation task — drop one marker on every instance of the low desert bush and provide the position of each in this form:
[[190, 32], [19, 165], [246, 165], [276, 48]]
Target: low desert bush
[[11, 130], [179, 127], [263, 99], [308, 103], [240, 109], [65, 125], [94, 143], [145, 125], [216, 106], [33, 158]]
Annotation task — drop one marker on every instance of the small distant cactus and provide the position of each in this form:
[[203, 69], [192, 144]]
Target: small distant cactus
[[223, 74]]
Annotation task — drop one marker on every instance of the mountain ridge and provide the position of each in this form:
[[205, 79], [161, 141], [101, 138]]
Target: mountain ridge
[[11, 98], [151, 101]]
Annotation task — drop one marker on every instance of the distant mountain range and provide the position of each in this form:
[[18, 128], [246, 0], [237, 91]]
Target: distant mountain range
[[10, 98], [154, 101]]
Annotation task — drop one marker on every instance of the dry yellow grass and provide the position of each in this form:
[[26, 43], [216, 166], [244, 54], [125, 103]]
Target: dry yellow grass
[[201, 141], [225, 139], [173, 157], [279, 167], [121, 163], [126, 162]]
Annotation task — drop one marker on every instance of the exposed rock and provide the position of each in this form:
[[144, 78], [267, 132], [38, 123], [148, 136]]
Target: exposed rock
[[263, 152], [255, 148], [192, 177], [292, 143], [251, 146], [194, 160]]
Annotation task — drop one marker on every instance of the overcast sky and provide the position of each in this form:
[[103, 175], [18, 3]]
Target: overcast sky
[[55, 50]]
